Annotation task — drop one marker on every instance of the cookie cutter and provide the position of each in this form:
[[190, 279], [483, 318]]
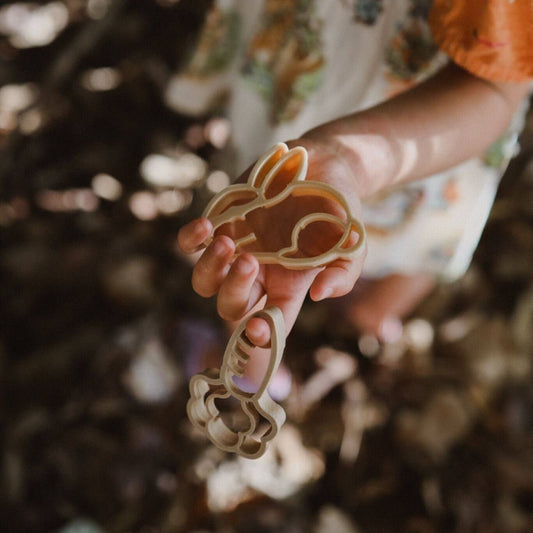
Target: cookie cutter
[[218, 384], [237, 201]]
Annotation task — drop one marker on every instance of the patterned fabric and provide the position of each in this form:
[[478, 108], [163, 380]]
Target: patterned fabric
[[367, 11], [218, 44], [284, 60], [281, 67]]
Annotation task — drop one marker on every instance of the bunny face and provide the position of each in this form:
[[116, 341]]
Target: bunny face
[[277, 177], [211, 386]]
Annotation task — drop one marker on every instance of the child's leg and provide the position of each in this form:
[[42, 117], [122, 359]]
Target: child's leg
[[380, 305]]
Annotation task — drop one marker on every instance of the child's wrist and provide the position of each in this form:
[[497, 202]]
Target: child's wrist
[[367, 156], [315, 145]]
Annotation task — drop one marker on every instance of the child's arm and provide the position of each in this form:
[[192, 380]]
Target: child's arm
[[447, 119], [450, 118]]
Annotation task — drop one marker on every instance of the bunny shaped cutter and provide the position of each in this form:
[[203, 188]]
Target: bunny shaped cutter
[[237, 201]]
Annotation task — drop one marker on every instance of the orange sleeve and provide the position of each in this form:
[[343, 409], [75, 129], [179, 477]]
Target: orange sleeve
[[493, 39]]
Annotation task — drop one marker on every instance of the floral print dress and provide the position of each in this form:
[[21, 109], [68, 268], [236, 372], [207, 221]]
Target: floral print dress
[[277, 68]]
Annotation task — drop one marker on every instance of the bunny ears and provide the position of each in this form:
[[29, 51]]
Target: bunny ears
[[279, 174]]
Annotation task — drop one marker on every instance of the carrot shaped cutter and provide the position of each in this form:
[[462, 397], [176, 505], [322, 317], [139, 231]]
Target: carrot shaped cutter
[[264, 417]]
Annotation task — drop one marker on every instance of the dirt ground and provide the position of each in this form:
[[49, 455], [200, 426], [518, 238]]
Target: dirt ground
[[433, 433]]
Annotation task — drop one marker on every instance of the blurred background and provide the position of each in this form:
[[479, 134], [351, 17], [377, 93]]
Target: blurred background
[[99, 325]]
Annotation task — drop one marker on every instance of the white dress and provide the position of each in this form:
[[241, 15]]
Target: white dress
[[277, 68]]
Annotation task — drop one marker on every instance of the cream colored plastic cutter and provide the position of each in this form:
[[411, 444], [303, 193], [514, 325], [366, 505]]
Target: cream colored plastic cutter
[[237, 201], [264, 416]]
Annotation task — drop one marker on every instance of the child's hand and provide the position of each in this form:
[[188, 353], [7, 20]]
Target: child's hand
[[242, 284]]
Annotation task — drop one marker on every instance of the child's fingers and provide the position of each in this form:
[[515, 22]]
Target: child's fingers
[[213, 266], [194, 234], [337, 279], [258, 330], [239, 291]]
